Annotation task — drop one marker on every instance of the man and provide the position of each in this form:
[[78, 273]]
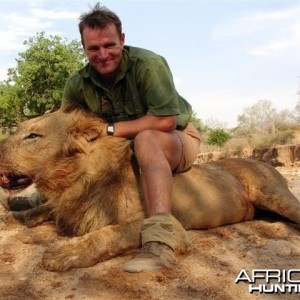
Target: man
[[133, 90]]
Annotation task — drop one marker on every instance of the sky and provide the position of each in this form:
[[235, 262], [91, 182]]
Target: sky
[[225, 55]]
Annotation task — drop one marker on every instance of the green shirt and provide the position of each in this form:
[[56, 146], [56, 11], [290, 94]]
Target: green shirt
[[143, 86]]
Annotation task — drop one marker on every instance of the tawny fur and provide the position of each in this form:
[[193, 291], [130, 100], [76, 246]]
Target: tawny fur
[[93, 190]]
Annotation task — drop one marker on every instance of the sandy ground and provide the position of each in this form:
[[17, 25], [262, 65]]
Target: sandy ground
[[208, 271]]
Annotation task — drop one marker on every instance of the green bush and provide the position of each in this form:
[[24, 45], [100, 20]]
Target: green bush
[[217, 137]]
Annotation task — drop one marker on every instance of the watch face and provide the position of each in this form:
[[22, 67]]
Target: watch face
[[110, 129]]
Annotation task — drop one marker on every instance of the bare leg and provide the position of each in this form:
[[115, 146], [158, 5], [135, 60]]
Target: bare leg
[[158, 153]]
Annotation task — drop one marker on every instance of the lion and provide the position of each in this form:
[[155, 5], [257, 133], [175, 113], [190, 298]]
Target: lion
[[92, 186]]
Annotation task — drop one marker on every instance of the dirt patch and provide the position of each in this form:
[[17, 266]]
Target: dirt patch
[[208, 271]]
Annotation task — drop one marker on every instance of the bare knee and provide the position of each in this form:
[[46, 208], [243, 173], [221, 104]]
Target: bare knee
[[144, 140], [158, 147], [147, 147]]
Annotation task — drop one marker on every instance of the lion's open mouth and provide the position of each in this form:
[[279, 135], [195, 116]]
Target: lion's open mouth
[[13, 181]]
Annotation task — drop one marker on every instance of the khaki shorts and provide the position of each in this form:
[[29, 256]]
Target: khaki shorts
[[190, 139]]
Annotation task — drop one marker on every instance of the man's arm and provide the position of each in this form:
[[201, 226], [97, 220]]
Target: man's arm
[[129, 129]]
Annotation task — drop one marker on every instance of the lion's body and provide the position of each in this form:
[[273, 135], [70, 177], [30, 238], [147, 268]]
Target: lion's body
[[93, 190]]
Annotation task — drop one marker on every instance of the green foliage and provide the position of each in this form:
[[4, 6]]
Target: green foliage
[[36, 84], [197, 122], [217, 137], [9, 110]]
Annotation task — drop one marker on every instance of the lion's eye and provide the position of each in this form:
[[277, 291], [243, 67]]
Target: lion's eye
[[32, 136]]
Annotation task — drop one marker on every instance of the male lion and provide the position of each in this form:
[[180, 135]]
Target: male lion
[[92, 186]]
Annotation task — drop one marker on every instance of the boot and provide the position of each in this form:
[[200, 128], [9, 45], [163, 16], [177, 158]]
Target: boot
[[158, 240], [153, 256]]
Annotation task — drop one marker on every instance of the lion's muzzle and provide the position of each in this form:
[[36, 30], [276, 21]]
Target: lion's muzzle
[[14, 181]]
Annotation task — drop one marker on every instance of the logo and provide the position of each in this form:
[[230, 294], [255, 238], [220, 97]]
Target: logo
[[271, 281]]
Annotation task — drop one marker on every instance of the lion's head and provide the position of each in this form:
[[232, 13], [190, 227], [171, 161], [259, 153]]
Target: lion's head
[[52, 146]]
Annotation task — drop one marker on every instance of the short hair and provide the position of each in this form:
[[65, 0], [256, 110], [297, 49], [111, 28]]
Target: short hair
[[99, 17]]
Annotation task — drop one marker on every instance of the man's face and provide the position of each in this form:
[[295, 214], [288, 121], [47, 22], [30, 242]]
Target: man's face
[[103, 48]]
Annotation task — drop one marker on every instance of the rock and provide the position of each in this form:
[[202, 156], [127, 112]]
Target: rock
[[278, 156]]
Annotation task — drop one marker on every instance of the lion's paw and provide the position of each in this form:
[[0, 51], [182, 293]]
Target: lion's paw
[[62, 258], [35, 216]]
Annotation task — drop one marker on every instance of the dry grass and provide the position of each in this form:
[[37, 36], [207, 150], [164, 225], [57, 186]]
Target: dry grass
[[255, 141]]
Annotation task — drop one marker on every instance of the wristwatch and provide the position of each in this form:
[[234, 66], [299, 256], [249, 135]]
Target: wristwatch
[[110, 129]]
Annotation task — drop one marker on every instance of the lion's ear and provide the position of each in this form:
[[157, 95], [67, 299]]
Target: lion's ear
[[91, 134], [91, 129], [84, 130], [78, 142]]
